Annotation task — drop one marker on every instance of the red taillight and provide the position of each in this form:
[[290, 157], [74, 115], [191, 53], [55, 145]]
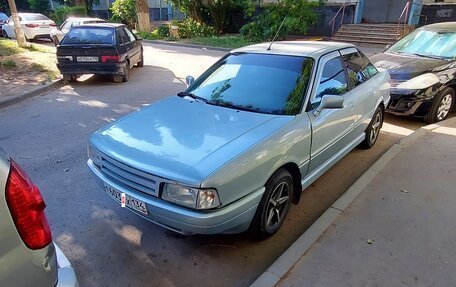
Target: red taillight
[[52, 25], [27, 209], [32, 25], [109, 59]]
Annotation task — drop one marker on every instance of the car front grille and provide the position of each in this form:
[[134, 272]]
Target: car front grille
[[129, 176]]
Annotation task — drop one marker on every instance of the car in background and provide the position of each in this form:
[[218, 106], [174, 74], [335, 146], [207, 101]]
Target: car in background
[[101, 49], [423, 75], [34, 25], [58, 33], [231, 153], [3, 18], [28, 257]]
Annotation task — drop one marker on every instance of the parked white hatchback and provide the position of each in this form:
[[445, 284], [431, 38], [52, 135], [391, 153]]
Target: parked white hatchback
[[34, 25]]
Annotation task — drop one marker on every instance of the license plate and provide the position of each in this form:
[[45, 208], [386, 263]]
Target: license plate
[[87, 59], [130, 201]]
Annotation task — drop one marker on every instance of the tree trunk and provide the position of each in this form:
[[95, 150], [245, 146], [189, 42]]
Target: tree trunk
[[142, 9], [20, 37], [80, 3]]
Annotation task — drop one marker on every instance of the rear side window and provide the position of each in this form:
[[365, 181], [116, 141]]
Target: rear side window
[[359, 68], [3, 16], [81, 35], [35, 17], [123, 36]]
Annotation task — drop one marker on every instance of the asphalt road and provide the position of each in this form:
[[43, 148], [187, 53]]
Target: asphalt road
[[110, 246]]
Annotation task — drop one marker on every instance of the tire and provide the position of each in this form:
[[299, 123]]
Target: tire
[[274, 205], [126, 75], [141, 62], [373, 129], [70, 78], [441, 106]]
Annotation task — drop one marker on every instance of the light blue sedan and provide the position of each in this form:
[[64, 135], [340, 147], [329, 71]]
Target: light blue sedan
[[233, 151]]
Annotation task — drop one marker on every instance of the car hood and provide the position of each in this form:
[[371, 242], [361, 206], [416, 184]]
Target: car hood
[[405, 67], [184, 140]]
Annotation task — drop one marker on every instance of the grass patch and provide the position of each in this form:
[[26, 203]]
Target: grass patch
[[226, 41], [9, 47], [8, 64], [38, 67]]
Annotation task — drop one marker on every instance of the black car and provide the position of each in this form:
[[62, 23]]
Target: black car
[[102, 49], [422, 66]]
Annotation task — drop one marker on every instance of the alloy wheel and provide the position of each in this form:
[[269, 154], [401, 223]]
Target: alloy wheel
[[445, 106], [277, 204], [376, 124]]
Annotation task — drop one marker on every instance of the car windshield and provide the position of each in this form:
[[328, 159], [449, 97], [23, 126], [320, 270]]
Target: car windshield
[[3, 17], [264, 83], [440, 44], [80, 35], [34, 17]]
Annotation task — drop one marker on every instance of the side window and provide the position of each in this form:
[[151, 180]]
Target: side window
[[359, 68], [130, 35], [333, 80], [123, 36]]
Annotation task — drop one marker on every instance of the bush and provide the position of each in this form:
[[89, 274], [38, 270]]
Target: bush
[[163, 31], [298, 15], [62, 13], [190, 28], [8, 64]]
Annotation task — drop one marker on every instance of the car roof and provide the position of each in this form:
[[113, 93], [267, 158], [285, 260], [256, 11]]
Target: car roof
[[441, 26], [101, 25], [313, 49], [84, 19], [25, 14]]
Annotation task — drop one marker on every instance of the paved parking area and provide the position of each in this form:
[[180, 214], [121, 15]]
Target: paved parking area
[[108, 245]]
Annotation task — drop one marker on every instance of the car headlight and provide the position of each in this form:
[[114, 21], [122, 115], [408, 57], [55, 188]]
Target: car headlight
[[420, 82], [94, 155], [190, 197]]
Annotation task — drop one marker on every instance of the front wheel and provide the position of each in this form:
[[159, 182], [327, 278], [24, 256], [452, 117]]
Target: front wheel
[[441, 106], [373, 129], [274, 205]]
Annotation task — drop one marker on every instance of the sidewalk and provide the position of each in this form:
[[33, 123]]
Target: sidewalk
[[399, 231]]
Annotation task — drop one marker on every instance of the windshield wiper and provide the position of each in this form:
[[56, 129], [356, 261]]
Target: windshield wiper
[[427, 56], [193, 96], [241, 108]]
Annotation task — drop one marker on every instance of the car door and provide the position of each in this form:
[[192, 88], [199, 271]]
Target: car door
[[135, 46], [9, 28], [360, 70], [122, 47], [127, 44], [332, 128]]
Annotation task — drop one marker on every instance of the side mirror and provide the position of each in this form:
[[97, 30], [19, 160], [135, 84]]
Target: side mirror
[[329, 102], [189, 80]]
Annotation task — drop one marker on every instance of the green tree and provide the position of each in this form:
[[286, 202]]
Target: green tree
[[124, 11], [192, 8], [220, 10], [298, 15], [40, 6]]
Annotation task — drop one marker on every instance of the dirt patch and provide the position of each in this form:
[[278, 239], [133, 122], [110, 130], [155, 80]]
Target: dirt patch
[[27, 70]]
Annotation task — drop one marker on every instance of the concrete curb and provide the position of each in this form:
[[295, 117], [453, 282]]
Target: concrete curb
[[202, 47], [299, 248], [36, 92]]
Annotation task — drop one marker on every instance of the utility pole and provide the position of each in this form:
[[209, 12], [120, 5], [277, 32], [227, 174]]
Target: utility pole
[[20, 37]]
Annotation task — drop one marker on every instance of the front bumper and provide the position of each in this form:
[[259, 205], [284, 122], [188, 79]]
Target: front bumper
[[66, 274], [410, 103], [233, 218], [92, 68]]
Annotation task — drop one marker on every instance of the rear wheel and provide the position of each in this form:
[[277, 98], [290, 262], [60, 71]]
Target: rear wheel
[[126, 75], [441, 106], [373, 129], [274, 205], [141, 61]]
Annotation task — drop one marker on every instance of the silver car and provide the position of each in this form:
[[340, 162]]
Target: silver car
[[58, 33], [232, 152], [28, 257]]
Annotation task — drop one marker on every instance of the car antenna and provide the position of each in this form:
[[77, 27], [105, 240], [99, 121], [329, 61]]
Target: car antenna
[[277, 34]]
